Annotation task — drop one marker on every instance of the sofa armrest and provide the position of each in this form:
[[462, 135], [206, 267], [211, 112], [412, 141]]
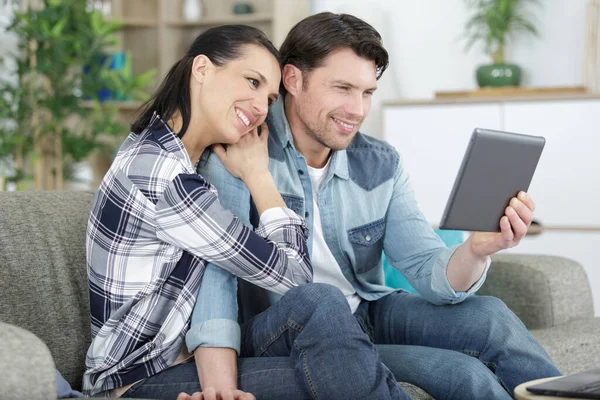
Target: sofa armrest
[[543, 291], [26, 364]]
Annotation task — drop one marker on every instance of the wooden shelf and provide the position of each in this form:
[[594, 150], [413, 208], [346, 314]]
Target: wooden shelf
[[537, 229], [136, 22], [254, 18], [513, 91], [492, 99]]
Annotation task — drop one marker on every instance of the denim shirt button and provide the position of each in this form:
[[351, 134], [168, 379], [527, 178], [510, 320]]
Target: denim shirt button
[[306, 214], [368, 238], [300, 172]]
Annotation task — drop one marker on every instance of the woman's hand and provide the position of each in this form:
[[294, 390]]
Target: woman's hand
[[248, 160], [248, 157], [213, 394]]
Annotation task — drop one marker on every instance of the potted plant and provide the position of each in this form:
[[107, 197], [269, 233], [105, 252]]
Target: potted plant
[[493, 22], [52, 116]]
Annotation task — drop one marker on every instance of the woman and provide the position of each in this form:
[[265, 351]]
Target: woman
[[155, 223]]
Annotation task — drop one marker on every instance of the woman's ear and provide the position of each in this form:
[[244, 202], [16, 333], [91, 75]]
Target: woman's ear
[[291, 77], [200, 68]]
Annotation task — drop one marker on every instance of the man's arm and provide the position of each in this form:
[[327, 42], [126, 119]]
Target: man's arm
[[215, 315], [465, 267], [469, 261], [412, 246], [216, 367], [214, 334]]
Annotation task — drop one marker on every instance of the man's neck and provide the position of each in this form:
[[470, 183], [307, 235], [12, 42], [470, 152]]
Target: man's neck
[[315, 153]]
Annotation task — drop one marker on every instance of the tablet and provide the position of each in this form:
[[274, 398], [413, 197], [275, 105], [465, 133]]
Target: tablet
[[495, 167]]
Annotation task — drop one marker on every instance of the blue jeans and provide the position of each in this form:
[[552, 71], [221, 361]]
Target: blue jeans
[[306, 346], [475, 349]]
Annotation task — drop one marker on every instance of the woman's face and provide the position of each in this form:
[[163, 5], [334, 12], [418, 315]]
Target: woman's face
[[233, 99]]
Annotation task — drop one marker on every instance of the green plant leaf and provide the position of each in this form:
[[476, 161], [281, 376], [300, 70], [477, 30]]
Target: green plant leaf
[[70, 41], [493, 21]]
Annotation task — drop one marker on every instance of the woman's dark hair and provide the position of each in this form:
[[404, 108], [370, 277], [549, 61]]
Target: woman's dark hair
[[311, 40], [219, 44]]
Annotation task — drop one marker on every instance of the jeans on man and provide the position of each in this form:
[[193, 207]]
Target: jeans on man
[[475, 349], [306, 346]]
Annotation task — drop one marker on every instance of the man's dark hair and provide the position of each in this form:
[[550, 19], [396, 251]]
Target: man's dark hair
[[311, 40], [220, 44]]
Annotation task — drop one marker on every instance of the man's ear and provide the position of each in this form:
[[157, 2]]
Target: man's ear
[[200, 67], [291, 77]]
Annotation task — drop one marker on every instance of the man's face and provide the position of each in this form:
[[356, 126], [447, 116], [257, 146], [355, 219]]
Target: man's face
[[335, 98]]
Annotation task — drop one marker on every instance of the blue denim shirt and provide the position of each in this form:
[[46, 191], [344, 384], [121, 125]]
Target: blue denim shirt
[[366, 204]]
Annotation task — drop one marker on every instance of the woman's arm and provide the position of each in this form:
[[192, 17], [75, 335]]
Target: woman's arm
[[189, 216]]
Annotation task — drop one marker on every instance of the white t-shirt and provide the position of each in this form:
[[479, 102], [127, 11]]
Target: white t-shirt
[[325, 267]]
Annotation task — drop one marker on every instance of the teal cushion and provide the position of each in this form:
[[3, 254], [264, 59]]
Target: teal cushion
[[395, 279]]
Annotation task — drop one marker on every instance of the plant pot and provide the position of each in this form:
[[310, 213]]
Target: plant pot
[[243, 8], [498, 75]]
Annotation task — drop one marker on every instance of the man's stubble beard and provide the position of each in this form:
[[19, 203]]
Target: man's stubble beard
[[321, 134]]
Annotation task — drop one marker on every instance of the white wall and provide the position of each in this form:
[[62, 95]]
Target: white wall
[[427, 54]]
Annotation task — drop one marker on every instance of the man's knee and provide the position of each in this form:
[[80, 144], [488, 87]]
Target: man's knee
[[472, 378], [500, 322], [317, 295], [488, 307]]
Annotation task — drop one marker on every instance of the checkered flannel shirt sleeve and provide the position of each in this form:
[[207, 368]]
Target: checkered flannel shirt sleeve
[[189, 216]]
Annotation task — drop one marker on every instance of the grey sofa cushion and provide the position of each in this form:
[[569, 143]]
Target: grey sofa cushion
[[542, 290], [30, 374], [574, 347], [43, 277], [415, 392]]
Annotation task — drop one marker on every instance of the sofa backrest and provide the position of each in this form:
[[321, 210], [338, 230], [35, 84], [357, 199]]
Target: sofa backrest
[[43, 274]]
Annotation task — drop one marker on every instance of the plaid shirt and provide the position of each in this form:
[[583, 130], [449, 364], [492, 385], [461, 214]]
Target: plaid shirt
[[154, 226]]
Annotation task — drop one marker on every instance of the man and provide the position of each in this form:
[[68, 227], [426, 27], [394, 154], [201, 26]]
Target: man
[[357, 201]]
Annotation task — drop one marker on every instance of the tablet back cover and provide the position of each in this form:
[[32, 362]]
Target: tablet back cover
[[496, 166]]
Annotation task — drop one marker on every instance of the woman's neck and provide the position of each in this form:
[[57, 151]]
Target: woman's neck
[[192, 140]]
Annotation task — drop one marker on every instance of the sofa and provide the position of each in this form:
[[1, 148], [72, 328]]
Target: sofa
[[44, 304]]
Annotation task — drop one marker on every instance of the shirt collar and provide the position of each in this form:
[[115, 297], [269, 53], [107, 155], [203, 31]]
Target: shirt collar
[[280, 124], [340, 164], [164, 135]]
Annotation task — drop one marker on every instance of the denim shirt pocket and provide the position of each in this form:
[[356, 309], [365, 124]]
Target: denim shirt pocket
[[294, 203], [367, 244]]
